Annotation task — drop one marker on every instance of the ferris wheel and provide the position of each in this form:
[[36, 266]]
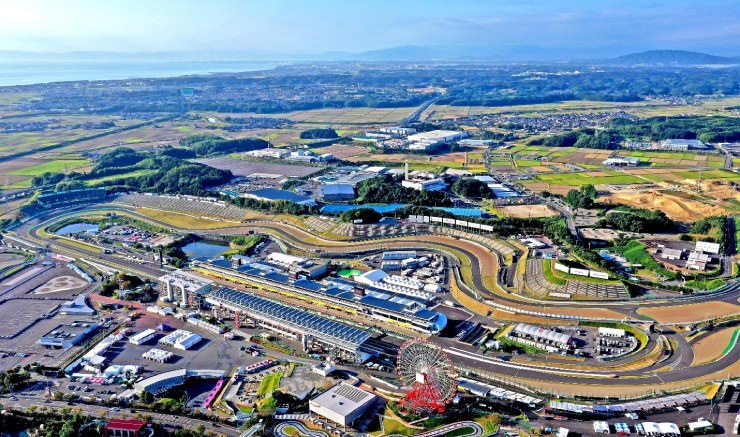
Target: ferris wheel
[[428, 374]]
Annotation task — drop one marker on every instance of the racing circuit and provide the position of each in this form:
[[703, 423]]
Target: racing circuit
[[473, 283]]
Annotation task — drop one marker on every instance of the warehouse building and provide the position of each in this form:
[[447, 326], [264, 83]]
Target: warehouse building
[[337, 192], [142, 337], [180, 339], [681, 144], [620, 161], [275, 195], [437, 184], [65, 336], [182, 286], [435, 138], [343, 404], [708, 247]]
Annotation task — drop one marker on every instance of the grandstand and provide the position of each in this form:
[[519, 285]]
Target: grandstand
[[50, 200], [398, 306], [345, 340], [188, 204]]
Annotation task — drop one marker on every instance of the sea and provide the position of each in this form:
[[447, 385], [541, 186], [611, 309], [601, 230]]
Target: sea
[[34, 72]]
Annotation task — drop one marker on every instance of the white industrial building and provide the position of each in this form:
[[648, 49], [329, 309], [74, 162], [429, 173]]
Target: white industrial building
[[398, 255], [500, 191], [342, 404], [436, 184], [142, 337], [65, 336], [681, 144], [707, 247], [181, 339], [297, 265], [157, 355], [672, 254], [612, 332], [697, 261], [399, 130], [269, 153], [427, 140], [182, 285], [619, 161], [397, 284]]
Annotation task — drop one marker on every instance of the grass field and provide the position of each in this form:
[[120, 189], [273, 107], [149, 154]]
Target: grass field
[[132, 174], [561, 277], [593, 178], [269, 384], [58, 165]]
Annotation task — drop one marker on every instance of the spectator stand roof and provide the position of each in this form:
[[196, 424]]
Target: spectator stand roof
[[382, 209], [328, 330]]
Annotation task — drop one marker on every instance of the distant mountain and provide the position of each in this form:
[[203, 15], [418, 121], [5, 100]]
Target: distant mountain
[[674, 57]]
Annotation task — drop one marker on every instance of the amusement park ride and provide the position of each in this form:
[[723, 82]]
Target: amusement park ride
[[428, 374]]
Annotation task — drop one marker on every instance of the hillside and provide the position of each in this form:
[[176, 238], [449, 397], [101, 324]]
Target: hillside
[[674, 57]]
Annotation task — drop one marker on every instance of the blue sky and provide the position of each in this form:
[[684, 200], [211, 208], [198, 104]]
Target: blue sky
[[316, 26]]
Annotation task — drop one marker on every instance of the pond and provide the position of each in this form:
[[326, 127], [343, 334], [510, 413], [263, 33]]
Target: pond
[[76, 227], [206, 249]]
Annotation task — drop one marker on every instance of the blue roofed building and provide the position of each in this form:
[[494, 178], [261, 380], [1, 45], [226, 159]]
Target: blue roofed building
[[275, 195], [337, 192]]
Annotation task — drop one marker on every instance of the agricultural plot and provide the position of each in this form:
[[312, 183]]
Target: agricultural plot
[[431, 162], [17, 173], [663, 159], [593, 178], [245, 168], [527, 211], [58, 165], [642, 109], [342, 151], [343, 116]]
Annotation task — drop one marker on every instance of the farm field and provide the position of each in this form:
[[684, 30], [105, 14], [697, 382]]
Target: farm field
[[18, 172], [14, 142], [340, 116], [342, 151], [662, 159], [525, 211], [712, 347], [430, 162], [643, 109], [245, 168], [591, 177], [58, 165]]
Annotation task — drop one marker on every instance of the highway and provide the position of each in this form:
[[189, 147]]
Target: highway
[[23, 400]]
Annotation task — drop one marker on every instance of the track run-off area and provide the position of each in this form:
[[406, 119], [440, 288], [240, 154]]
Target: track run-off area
[[473, 272]]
